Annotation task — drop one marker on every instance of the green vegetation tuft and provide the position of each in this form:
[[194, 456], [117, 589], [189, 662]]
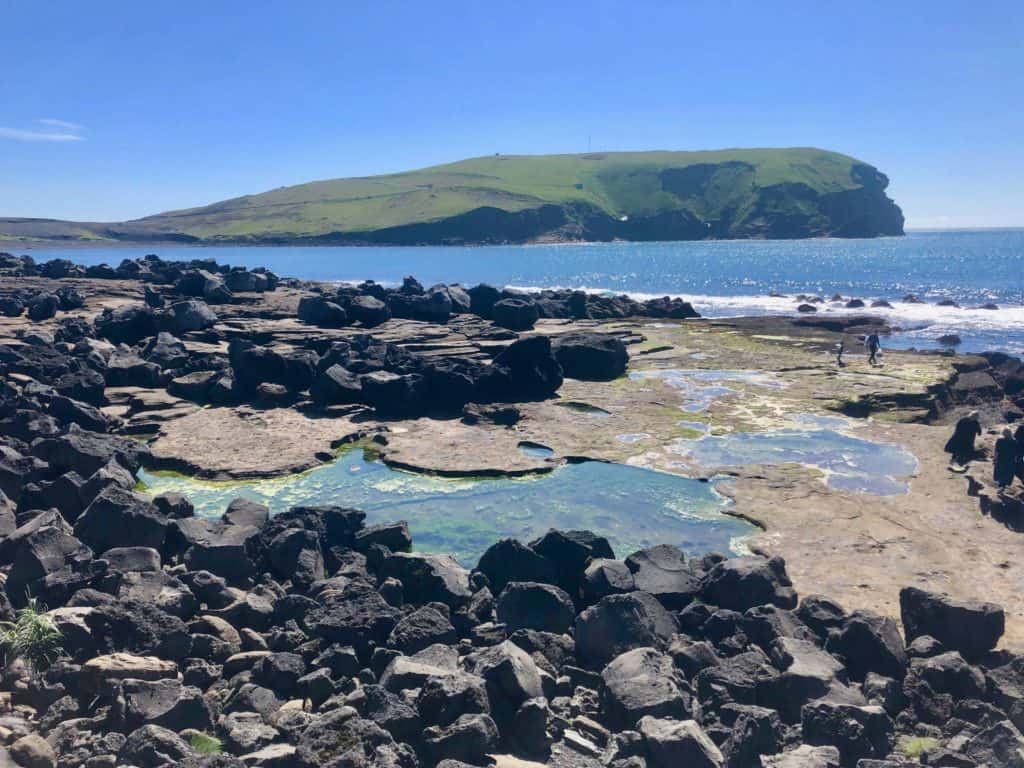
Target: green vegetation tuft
[[31, 637], [915, 746], [205, 744]]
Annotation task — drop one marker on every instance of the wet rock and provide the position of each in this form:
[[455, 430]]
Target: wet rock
[[620, 623], [969, 627], [590, 356]]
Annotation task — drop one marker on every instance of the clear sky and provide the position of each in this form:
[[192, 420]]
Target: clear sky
[[114, 110]]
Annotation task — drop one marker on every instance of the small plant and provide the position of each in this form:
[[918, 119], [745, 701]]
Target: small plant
[[31, 637], [914, 746], [204, 743]]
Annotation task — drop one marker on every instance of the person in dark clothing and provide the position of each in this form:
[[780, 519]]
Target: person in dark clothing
[[961, 444], [1018, 438], [1004, 463], [839, 353], [874, 344]]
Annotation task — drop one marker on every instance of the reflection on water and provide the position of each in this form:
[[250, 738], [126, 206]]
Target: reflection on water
[[633, 507], [849, 463], [535, 450], [699, 387]]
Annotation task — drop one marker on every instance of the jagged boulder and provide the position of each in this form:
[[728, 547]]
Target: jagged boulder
[[972, 628], [619, 623], [590, 356]]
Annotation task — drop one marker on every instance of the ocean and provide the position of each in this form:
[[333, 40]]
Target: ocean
[[721, 278]]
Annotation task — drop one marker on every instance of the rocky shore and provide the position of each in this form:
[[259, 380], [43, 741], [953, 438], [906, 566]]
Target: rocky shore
[[308, 638]]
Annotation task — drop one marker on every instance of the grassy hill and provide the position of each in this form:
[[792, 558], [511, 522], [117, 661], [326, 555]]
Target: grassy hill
[[798, 192]]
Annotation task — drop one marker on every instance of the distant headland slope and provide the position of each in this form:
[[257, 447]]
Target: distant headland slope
[[733, 193]]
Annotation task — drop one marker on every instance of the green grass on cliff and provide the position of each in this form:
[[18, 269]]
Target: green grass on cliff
[[617, 183]]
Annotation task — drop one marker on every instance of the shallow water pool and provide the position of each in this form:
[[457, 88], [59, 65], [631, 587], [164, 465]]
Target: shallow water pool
[[849, 463], [632, 506]]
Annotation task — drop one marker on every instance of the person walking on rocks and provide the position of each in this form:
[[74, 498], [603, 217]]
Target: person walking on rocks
[[961, 444], [1018, 438], [873, 344], [839, 353], [1004, 463]]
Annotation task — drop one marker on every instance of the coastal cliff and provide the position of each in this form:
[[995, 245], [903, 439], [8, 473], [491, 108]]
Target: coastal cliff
[[637, 196]]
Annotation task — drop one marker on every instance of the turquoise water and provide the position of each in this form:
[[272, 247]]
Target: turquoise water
[[700, 388], [633, 507], [720, 277]]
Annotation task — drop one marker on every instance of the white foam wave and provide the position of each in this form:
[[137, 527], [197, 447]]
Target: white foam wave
[[911, 318]]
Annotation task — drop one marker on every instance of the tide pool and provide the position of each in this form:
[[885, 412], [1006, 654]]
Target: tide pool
[[634, 507]]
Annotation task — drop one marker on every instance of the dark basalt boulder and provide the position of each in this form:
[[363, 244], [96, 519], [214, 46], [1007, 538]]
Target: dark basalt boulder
[[639, 683], [46, 562], [670, 743], [970, 627], [356, 615], [392, 394], [43, 306], [87, 452], [394, 536], [482, 299], [570, 551], [204, 285], [166, 351], [428, 578], [421, 629], [121, 518], [868, 642], [186, 316], [126, 369], [70, 298], [11, 306], [127, 325], [509, 560], [663, 572], [166, 703], [241, 280], [469, 740], [85, 384], [368, 311], [590, 356], [857, 732], [510, 677], [516, 314], [526, 370], [740, 583], [619, 623], [604, 577], [530, 605], [320, 311], [336, 386]]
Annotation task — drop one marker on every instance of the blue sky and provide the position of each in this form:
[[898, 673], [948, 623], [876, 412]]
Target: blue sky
[[113, 110]]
